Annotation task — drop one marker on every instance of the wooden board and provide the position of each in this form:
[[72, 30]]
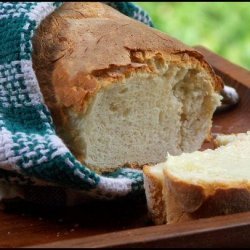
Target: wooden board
[[122, 223]]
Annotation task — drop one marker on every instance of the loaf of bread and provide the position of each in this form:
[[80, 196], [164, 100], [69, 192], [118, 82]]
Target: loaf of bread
[[121, 93], [201, 184]]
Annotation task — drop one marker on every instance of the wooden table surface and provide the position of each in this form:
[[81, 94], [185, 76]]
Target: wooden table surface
[[125, 223]]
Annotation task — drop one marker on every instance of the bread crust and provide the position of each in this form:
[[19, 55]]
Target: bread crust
[[84, 47], [187, 201], [80, 43], [155, 199]]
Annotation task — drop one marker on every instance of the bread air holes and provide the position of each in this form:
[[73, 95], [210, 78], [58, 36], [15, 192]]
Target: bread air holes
[[126, 112], [181, 74], [113, 107], [120, 110], [161, 117], [123, 90]]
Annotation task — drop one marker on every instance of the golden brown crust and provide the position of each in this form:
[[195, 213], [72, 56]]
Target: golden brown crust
[[155, 199], [189, 195], [174, 211], [80, 39], [224, 201], [187, 201], [83, 47]]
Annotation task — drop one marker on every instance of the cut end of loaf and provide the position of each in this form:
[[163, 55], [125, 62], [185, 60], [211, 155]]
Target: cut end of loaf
[[144, 115]]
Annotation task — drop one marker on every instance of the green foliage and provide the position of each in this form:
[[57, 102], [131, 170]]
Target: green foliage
[[223, 27]]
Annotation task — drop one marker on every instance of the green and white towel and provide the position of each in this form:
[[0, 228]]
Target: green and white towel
[[31, 154]]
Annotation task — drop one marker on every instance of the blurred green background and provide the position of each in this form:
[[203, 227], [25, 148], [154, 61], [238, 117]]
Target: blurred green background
[[222, 27]]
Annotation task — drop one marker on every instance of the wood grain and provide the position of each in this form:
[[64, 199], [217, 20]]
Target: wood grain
[[125, 223], [25, 224], [221, 231], [230, 72]]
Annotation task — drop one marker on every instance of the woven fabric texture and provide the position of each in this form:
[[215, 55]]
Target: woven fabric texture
[[31, 153]]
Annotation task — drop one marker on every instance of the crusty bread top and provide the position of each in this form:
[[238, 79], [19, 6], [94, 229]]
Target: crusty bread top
[[81, 43]]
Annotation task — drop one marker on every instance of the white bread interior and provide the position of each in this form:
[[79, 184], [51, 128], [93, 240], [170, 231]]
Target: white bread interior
[[145, 116]]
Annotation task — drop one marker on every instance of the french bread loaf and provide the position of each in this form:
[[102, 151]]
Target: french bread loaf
[[201, 184], [121, 93]]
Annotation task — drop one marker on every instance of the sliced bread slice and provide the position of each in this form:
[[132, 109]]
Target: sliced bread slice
[[201, 184]]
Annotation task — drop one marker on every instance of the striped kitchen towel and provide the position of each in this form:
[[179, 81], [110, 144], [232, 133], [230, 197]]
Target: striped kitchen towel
[[31, 153]]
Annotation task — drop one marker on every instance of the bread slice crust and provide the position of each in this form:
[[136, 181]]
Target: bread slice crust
[[190, 201], [154, 194]]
